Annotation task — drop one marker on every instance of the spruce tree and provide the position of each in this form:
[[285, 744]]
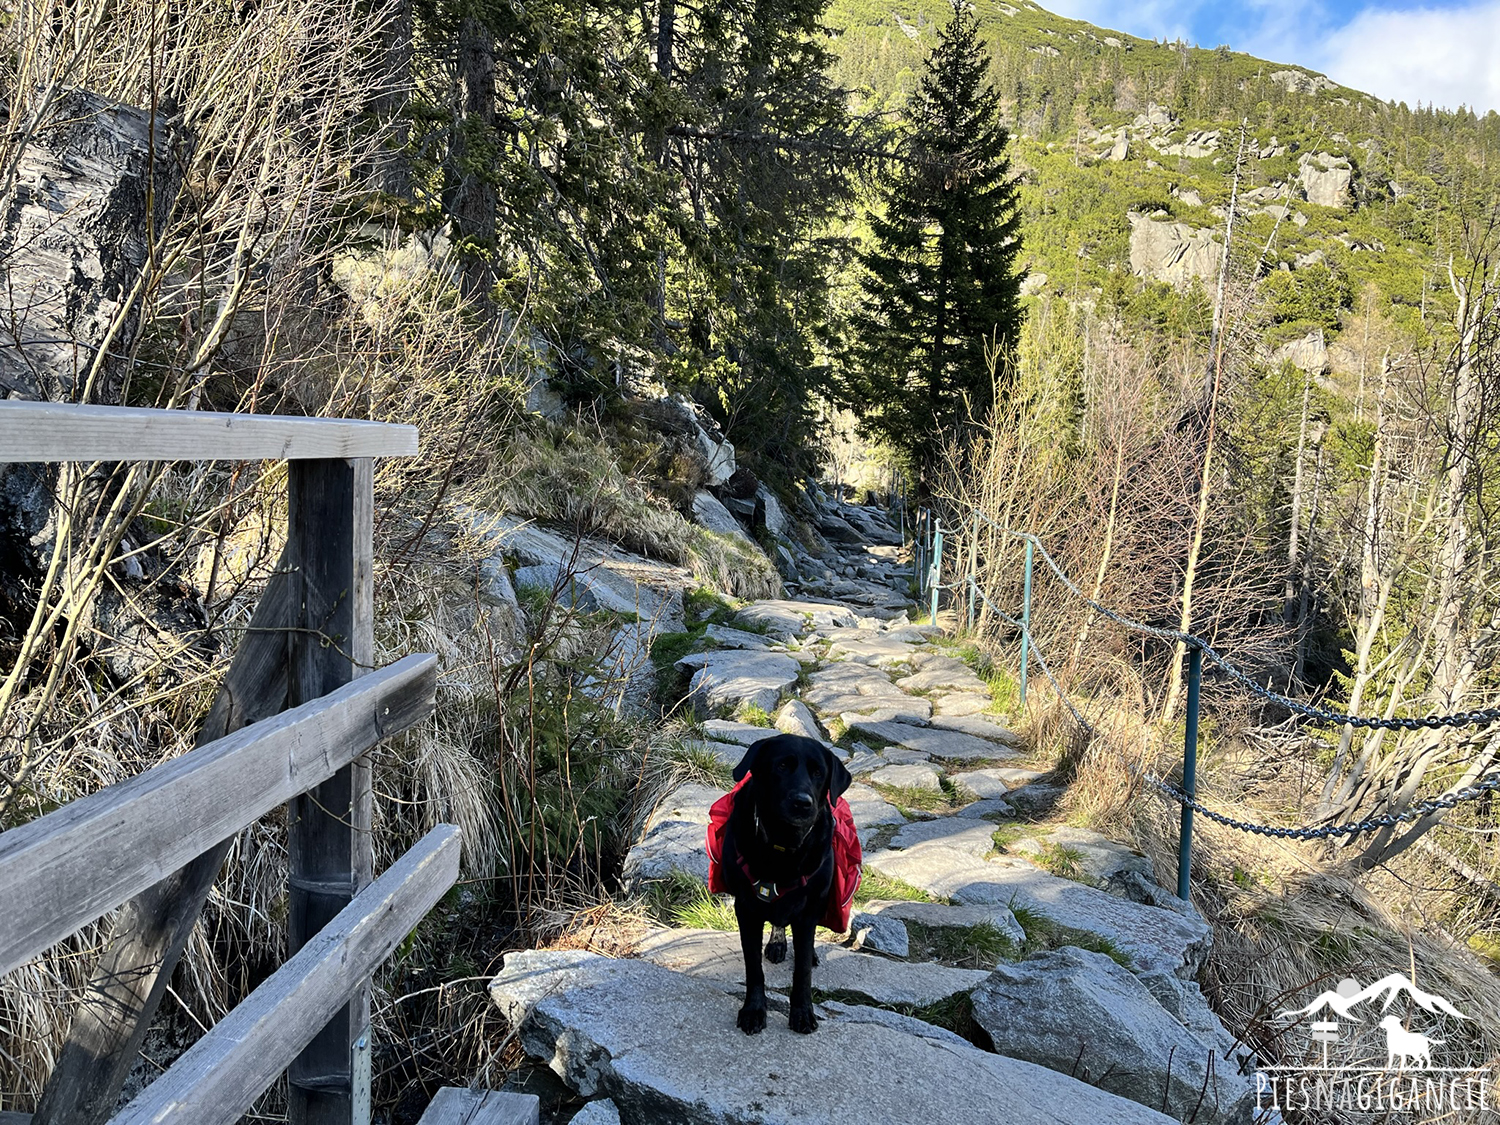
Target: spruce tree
[[939, 279]]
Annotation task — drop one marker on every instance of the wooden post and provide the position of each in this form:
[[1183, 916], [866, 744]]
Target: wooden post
[[152, 929], [330, 856]]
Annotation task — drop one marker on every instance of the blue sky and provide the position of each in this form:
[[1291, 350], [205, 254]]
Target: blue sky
[[1435, 52]]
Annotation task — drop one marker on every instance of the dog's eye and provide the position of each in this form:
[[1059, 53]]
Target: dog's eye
[[785, 765]]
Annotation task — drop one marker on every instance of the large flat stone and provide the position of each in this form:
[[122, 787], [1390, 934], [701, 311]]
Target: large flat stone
[[938, 673], [725, 637], [1100, 859], [977, 726], [913, 776], [715, 955], [995, 781], [883, 652], [1152, 937], [665, 1048], [869, 808], [1081, 1013], [673, 838], [976, 837], [779, 617], [733, 677], [727, 730], [795, 718], [859, 689], [948, 745], [939, 916], [962, 703]]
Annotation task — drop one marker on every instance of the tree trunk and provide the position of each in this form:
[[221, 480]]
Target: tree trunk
[[471, 196]]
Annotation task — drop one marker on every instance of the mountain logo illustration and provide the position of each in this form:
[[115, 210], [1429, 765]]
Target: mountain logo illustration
[[1348, 995]]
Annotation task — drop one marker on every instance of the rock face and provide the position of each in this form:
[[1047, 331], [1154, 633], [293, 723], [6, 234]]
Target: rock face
[[673, 839], [664, 1048], [1172, 252], [1325, 179], [73, 240], [709, 513], [949, 745], [1310, 353], [1082, 1014]]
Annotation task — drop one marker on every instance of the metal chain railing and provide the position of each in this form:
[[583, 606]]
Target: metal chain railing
[[929, 575]]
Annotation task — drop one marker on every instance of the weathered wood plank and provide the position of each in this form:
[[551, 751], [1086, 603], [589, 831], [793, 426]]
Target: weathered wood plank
[[455, 1105], [225, 1071], [330, 515], [65, 869], [461, 1106], [151, 930], [54, 431]]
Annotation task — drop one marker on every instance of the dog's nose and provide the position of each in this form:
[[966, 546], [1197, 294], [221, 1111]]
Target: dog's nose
[[801, 803]]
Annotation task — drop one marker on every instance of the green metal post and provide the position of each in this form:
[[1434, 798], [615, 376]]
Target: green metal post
[[1026, 621], [1189, 771], [936, 573]]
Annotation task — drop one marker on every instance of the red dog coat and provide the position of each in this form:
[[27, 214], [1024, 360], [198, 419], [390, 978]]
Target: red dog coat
[[847, 857]]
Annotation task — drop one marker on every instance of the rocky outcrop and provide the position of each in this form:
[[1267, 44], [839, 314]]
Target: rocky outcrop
[[1308, 353], [710, 513], [1300, 82], [1325, 179], [1082, 1014], [1172, 252], [663, 1047], [673, 838]]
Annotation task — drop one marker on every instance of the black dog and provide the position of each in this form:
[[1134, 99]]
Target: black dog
[[778, 862]]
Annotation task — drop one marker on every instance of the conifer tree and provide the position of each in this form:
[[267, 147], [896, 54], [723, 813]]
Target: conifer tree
[[940, 282]]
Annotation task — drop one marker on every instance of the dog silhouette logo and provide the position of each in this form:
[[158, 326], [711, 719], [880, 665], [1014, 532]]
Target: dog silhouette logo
[[1402, 1046], [1386, 1059]]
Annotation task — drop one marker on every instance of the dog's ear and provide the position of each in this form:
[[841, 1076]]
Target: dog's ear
[[747, 763], [839, 778]]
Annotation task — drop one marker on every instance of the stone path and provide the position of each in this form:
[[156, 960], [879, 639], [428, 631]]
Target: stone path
[[1032, 948]]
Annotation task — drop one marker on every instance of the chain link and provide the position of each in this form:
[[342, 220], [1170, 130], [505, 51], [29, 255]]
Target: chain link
[[1175, 793]]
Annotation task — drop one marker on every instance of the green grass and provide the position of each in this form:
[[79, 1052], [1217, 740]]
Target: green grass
[[1060, 859], [703, 765], [755, 715], [955, 1013], [875, 886], [1042, 934], [680, 900], [906, 797], [980, 946], [707, 912], [708, 607]]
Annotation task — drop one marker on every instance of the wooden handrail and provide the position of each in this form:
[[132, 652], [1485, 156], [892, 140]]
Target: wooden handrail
[[56, 431], [63, 870], [222, 1074]]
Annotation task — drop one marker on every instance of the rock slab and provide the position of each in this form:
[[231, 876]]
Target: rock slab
[[1081, 1013], [664, 1047]]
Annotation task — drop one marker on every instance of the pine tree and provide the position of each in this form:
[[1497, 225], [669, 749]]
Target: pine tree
[[940, 282]]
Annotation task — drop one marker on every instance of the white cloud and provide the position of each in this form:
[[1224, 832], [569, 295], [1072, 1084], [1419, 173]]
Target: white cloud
[[1432, 55]]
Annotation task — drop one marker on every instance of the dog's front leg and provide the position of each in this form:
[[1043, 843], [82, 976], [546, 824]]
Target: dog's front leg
[[802, 1018], [752, 1019]]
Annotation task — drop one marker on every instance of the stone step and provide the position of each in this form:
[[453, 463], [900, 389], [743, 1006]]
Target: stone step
[[941, 916], [664, 1047], [996, 781], [715, 955], [1152, 937], [674, 838], [948, 745], [738, 677]]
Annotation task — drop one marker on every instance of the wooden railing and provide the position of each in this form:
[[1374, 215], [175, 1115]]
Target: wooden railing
[[299, 710]]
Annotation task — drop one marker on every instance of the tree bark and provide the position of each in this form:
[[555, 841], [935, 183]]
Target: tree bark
[[471, 197]]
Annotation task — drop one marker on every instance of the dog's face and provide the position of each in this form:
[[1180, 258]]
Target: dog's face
[[792, 778]]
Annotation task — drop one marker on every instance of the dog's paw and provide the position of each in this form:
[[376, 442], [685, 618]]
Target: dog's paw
[[802, 1020], [752, 1021], [776, 950]]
